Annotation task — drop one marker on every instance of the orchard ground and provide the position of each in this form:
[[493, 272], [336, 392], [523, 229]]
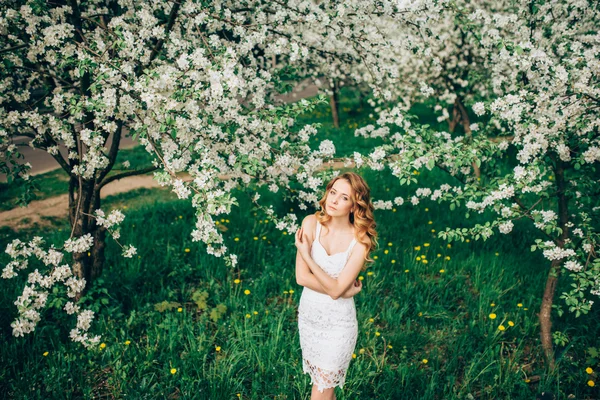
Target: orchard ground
[[436, 320]]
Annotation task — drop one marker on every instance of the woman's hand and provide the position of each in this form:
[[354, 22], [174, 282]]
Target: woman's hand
[[302, 244], [353, 290]]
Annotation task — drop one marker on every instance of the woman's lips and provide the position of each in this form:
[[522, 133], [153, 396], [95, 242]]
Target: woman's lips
[[332, 208]]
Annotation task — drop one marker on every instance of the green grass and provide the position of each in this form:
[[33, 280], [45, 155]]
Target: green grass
[[424, 313]]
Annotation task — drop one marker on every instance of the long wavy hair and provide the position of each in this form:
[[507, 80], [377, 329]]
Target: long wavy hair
[[362, 217]]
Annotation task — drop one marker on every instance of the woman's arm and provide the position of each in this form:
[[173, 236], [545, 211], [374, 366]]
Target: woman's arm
[[337, 287], [304, 277]]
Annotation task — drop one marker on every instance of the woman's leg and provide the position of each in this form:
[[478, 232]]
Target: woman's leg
[[328, 394]]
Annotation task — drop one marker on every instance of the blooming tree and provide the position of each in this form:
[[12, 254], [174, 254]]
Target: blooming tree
[[544, 98], [189, 81]]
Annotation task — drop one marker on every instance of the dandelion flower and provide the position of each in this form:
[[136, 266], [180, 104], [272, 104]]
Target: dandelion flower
[[237, 239], [492, 316], [218, 348], [173, 371], [426, 244], [187, 250], [417, 248], [442, 271], [433, 231], [236, 281], [447, 258], [501, 328], [390, 346], [248, 315], [449, 245], [179, 309], [589, 370], [418, 258], [390, 244], [386, 251], [439, 255], [377, 334], [406, 271], [429, 222], [591, 383], [510, 323], [520, 305], [102, 346], [372, 320], [370, 273], [46, 354], [424, 261], [255, 312], [255, 237], [492, 305], [393, 261], [393, 210], [361, 351], [425, 361], [246, 292], [291, 291], [375, 257], [127, 342], [353, 355], [497, 254], [467, 240], [360, 278]]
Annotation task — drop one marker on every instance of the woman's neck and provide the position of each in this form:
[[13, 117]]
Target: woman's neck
[[340, 224]]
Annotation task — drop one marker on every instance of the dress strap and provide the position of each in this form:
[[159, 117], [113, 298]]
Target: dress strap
[[318, 230], [352, 243]]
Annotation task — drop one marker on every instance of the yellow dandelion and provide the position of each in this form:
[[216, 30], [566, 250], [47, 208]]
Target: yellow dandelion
[[227, 221], [492, 316], [406, 271], [527, 380], [447, 258], [266, 221], [217, 223], [377, 334], [433, 231], [370, 273], [285, 233], [390, 244], [255, 312], [173, 371], [89, 254], [127, 342], [390, 346], [467, 240], [102, 345], [492, 305], [181, 216], [285, 292], [360, 278], [420, 314], [238, 395], [526, 309], [417, 248], [418, 258], [449, 245], [442, 271], [291, 291], [237, 239], [187, 250], [591, 383], [394, 210], [497, 254], [393, 261], [386, 251], [426, 209], [589, 370], [519, 304], [426, 244], [45, 354], [510, 323], [371, 320], [179, 309], [264, 238], [439, 255], [501, 328], [236, 281], [429, 222], [361, 351], [218, 348], [255, 237], [248, 315], [425, 361], [353, 355], [424, 261], [375, 257], [246, 292]]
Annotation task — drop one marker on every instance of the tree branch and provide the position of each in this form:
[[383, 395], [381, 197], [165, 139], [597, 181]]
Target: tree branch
[[126, 174]]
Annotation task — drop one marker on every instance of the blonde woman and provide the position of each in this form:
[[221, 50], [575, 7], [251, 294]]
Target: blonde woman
[[332, 248]]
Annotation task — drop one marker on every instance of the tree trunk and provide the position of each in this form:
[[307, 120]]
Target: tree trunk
[[333, 101], [87, 265], [545, 315]]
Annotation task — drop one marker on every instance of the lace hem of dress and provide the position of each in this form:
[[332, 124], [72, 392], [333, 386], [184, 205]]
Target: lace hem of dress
[[324, 379]]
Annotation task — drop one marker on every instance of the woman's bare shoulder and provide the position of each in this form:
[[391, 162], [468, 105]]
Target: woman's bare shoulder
[[309, 223]]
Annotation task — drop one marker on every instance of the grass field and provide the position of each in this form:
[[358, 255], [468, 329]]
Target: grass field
[[175, 324]]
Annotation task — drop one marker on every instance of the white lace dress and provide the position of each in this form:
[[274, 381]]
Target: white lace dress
[[328, 328]]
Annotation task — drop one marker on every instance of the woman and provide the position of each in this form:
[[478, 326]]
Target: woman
[[333, 245]]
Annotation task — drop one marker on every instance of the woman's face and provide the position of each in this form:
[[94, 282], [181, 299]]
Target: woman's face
[[339, 199]]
